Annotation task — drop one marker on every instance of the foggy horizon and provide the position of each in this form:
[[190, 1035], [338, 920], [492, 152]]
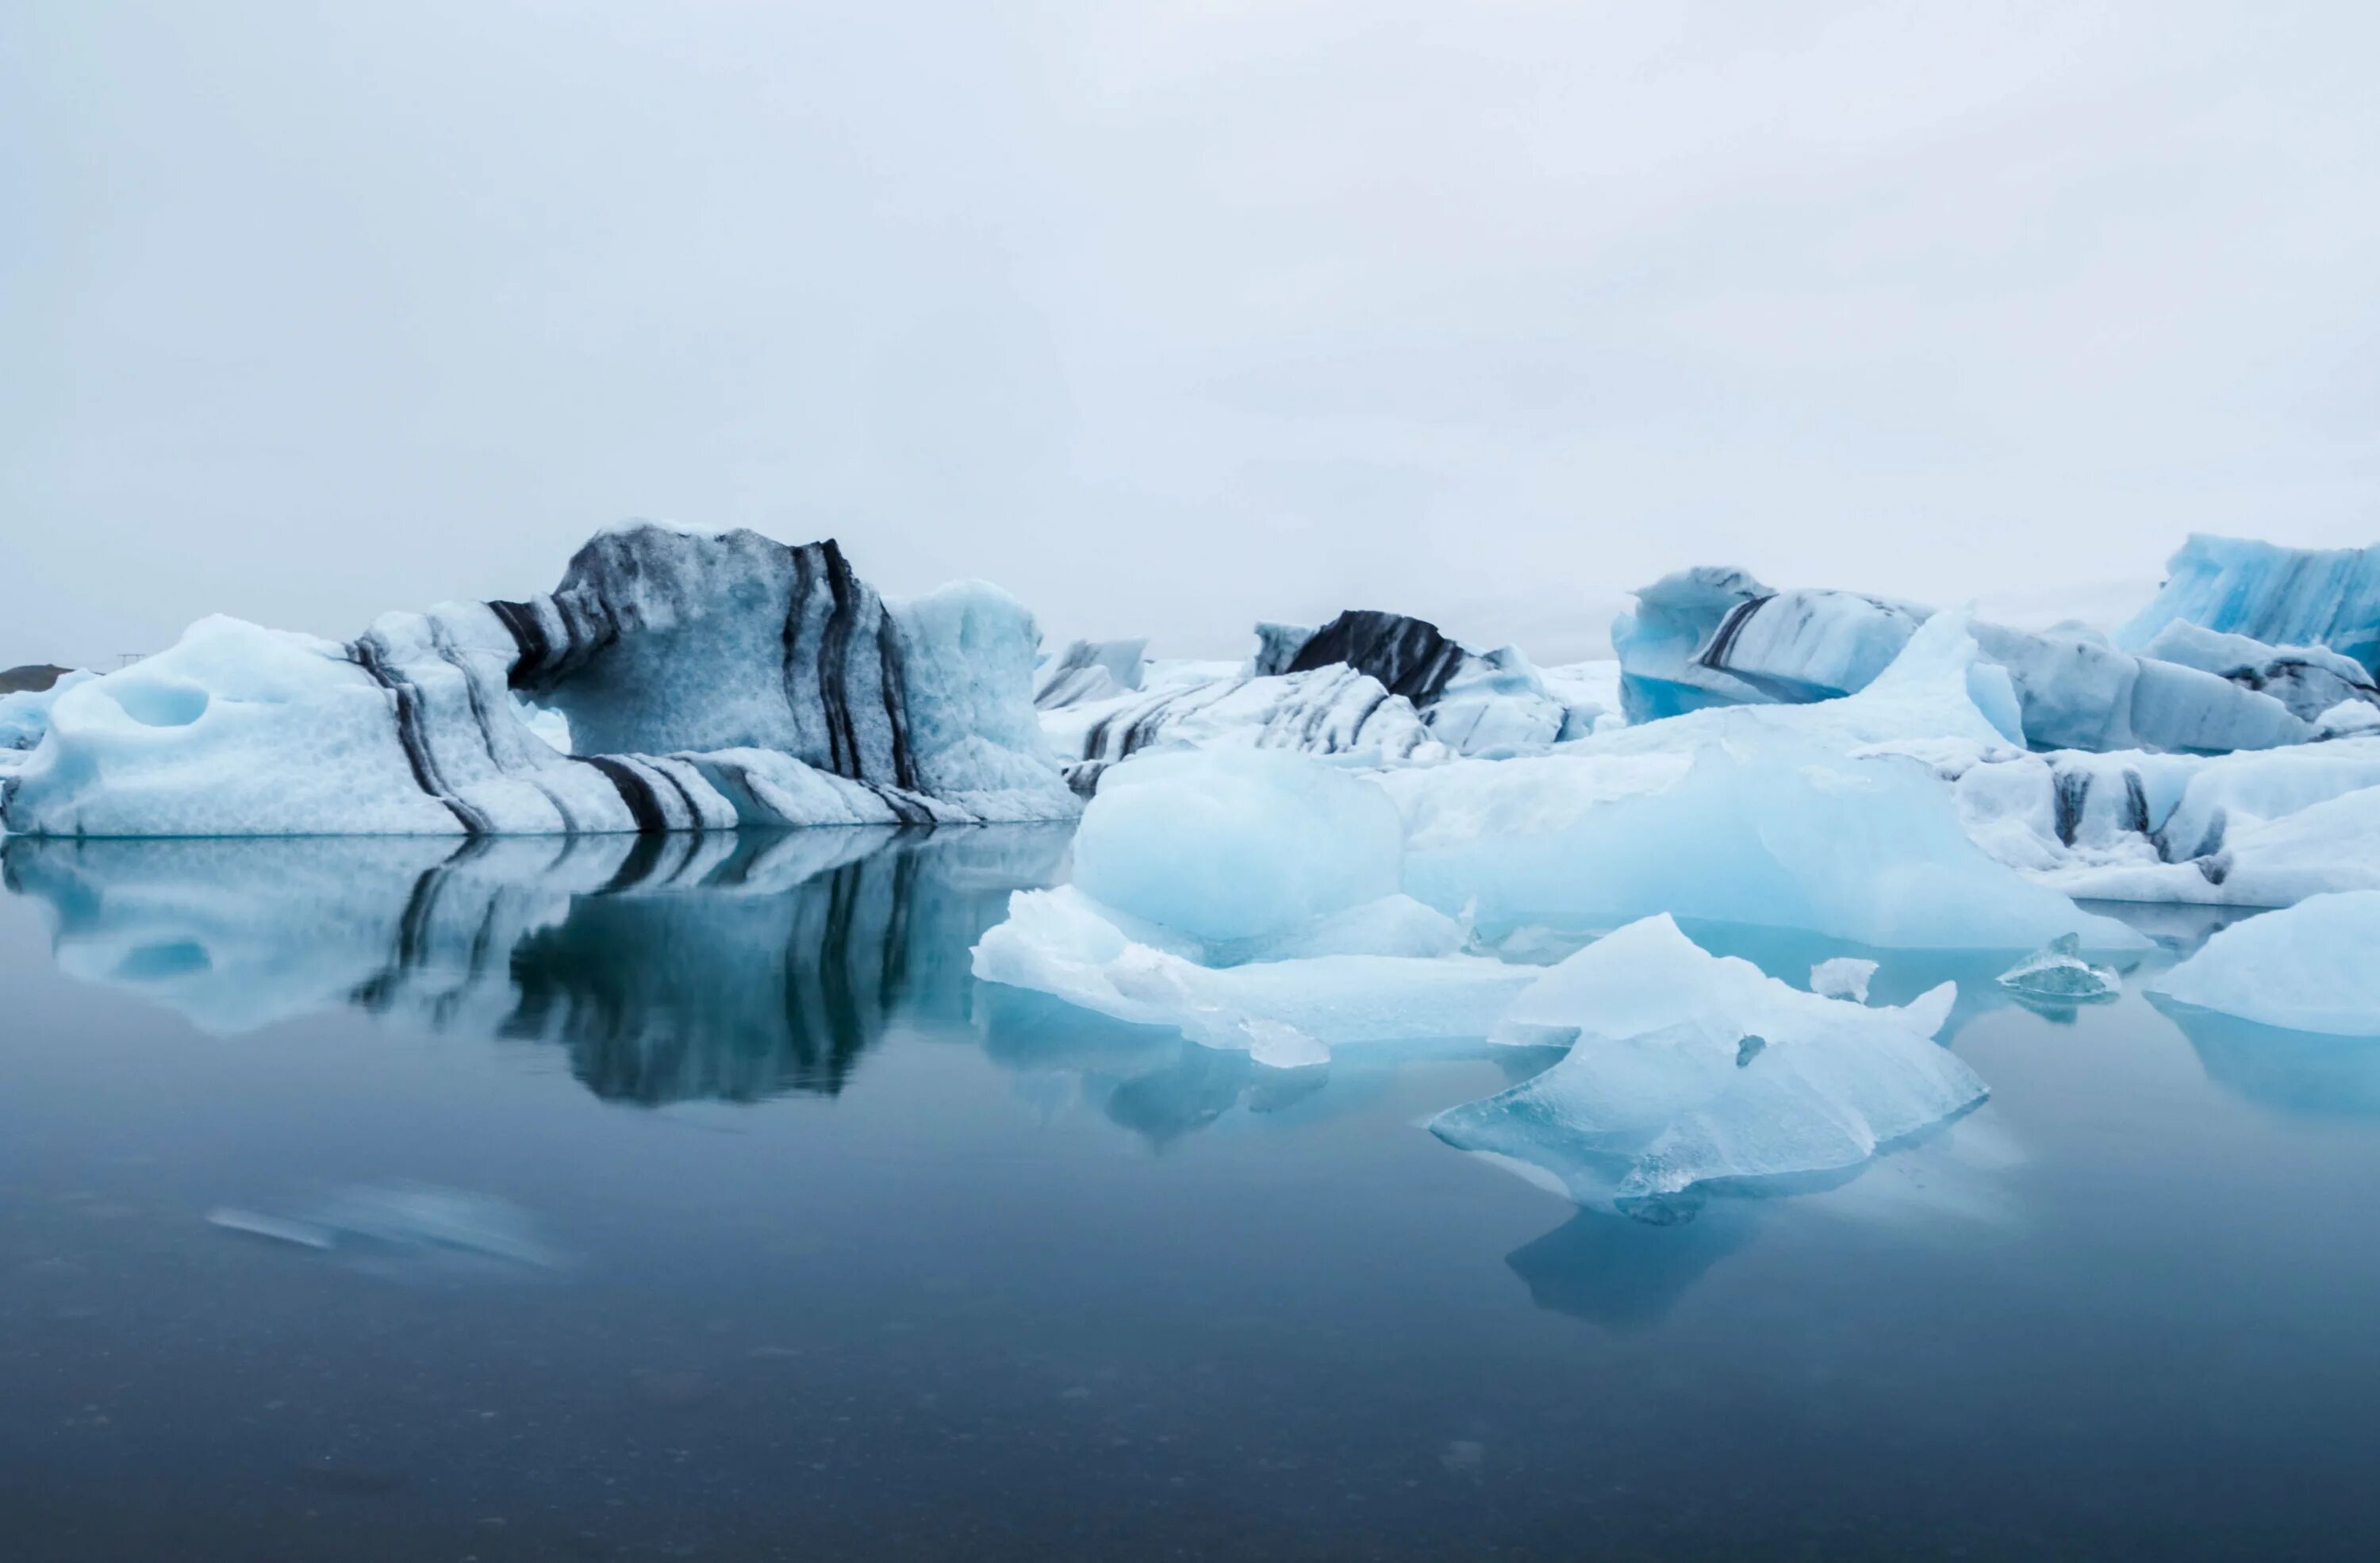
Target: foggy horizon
[[1172, 322]]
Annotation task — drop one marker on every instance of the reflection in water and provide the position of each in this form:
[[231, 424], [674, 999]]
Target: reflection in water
[[747, 967], [2305, 1074], [1624, 1274], [732, 967]]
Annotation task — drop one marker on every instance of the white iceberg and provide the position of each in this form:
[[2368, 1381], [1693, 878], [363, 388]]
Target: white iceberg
[[1686, 1070], [1845, 976], [2308, 967]]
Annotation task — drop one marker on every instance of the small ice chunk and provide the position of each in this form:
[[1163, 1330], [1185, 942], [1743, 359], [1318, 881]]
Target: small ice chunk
[[1845, 976], [2058, 972], [2308, 967], [1688, 1068]]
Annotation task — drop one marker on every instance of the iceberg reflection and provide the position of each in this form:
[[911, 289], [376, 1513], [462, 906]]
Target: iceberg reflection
[[722, 966]]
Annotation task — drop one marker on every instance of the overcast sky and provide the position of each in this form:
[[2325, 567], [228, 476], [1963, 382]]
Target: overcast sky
[[1172, 317]]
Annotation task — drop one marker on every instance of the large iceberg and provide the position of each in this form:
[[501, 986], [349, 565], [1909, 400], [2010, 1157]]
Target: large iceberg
[[1687, 1070], [1767, 815], [1713, 635], [706, 680], [2308, 967], [2281, 596], [1248, 897]]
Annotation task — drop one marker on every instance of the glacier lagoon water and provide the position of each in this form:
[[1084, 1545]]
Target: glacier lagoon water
[[643, 1199]]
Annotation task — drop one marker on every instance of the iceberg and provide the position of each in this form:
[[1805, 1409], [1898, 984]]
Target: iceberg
[[2310, 680], [1716, 636], [1249, 898], [1368, 688], [2262, 828], [2281, 596], [2077, 692], [1687, 1070], [706, 679], [1793, 817], [2058, 973], [1335, 713], [2308, 967], [1237, 845], [1288, 1008], [1091, 670], [25, 709]]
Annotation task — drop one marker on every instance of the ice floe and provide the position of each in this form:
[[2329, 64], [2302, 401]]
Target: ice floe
[[1686, 1070]]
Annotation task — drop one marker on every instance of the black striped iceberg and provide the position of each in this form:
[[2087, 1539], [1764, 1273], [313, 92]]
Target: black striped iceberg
[[705, 681]]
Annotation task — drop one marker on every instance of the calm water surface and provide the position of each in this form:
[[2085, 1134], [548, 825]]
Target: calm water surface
[[687, 1199]]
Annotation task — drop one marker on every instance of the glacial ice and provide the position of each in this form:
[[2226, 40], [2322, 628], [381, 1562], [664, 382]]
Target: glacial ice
[[2057, 972], [2310, 680], [1091, 670], [1236, 844], [1250, 899], [2307, 968], [2279, 596], [1367, 689], [1715, 635], [2262, 828], [1686, 1070], [708, 680], [1767, 815], [1334, 712], [1290, 1006], [25, 714]]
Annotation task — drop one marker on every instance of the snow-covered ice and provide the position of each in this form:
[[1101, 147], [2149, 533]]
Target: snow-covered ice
[[1686, 1070], [1845, 976], [2261, 828], [2313, 966]]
